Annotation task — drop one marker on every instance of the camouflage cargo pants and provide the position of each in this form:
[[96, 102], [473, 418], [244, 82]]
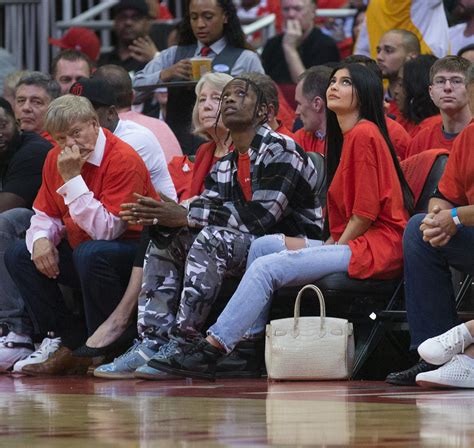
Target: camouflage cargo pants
[[181, 282]]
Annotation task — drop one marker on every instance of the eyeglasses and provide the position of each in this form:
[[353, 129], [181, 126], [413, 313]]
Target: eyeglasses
[[455, 82]]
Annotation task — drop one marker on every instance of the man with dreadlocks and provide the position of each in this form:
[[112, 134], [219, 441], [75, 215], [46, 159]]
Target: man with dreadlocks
[[266, 185]]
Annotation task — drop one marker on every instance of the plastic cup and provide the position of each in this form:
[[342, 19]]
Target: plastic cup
[[200, 66]]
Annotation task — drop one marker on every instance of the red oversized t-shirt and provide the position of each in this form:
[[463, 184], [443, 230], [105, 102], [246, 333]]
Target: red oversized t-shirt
[[308, 141], [457, 182], [121, 173], [366, 184]]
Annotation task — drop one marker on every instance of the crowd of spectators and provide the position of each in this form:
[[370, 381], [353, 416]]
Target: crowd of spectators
[[130, 191]]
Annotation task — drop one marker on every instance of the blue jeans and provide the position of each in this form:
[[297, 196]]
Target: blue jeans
[[13, 225], [429, 293], [250, 305], [101, 269]]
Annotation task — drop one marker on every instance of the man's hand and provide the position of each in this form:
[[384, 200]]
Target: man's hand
[[45, 257], [438, 227], [143, 49], [181, 70], [70, 162], [293, 35], [148, 211]]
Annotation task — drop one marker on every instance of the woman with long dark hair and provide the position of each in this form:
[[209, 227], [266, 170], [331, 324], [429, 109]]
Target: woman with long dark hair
[[368, 203], [412, 94]]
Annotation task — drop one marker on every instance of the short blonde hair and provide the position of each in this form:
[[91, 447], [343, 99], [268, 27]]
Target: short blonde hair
[[217, 81], [67, 109]]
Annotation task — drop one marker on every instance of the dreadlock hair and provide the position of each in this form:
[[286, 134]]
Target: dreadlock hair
[[367, 90], [233, 32], [266, 86]]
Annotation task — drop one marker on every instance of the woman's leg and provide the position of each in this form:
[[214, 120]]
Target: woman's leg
[[267, 274], [266, 245], [285, 243]]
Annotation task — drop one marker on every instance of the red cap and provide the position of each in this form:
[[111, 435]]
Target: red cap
[[81, 39]]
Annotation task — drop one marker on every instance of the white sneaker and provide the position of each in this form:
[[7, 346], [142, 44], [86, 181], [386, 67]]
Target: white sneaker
[[459, 372], [440, 349], [45, 350], [13, 348]]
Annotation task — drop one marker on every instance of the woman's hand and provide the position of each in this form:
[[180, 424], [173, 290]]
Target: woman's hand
[[181, 70], [329, 241]]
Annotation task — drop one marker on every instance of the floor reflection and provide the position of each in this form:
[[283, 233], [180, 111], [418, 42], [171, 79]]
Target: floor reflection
[[78, 413]]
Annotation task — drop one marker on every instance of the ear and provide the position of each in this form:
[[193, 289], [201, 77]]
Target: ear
[[112, 112], [317, 104], [226, 19], [430, 90], [95, 123], [411, 55]]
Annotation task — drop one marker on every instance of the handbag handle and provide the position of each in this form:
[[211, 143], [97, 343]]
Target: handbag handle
[[322, 307]]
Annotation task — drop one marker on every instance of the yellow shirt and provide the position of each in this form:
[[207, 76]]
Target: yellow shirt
[[425, 18]]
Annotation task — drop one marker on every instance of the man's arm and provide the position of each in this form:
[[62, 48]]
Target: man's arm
[[292, 39], [157, 70], [44, 226]]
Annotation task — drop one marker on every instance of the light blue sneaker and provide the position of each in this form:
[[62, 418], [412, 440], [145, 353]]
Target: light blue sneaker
[[124, 366], [149, 373]]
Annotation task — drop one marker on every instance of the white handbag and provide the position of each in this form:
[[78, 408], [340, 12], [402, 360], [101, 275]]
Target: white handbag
[[309, 348]]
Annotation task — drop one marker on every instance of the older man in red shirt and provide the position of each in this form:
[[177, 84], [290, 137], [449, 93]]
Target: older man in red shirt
[[76, 236]]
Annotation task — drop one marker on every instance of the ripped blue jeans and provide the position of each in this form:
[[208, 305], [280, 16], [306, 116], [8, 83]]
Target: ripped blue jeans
[[271, 266]]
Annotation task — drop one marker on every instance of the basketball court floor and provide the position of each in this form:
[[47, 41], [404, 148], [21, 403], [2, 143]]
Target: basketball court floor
[[90, 412]]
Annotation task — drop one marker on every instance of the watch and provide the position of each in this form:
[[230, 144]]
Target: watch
[[454, 214]]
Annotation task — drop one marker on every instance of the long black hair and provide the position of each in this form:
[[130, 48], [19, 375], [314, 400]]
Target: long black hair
[[368, 90], [418, 104], [232, 29]]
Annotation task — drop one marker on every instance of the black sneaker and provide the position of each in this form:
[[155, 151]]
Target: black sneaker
[[245, 361], [193, 360], [408, 377]]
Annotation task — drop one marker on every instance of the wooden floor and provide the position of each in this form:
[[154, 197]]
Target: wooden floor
[[88, 412]]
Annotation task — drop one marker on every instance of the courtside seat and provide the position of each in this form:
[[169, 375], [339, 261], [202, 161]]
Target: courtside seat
[[368, 303]]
